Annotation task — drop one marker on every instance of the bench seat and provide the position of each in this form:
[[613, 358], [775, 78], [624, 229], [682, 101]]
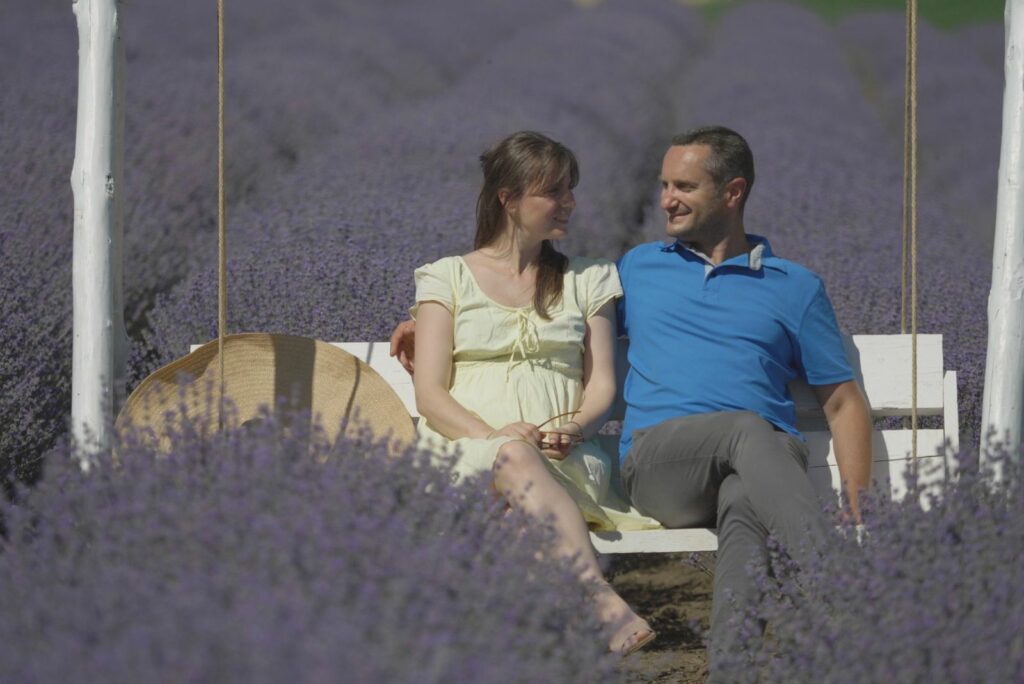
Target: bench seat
[[883, 367]]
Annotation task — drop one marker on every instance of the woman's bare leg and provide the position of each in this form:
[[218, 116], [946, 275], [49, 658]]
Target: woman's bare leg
[[521, 476]]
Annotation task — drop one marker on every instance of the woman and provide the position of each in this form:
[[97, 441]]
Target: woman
[[514, 335]]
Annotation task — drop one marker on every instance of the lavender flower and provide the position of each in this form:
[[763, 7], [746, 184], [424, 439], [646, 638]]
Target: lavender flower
[[265, 554], [930, 594], [335, 260], [829, 168]]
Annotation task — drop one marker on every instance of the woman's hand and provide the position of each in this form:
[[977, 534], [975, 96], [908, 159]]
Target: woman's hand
[[556, 444], [528, 432]]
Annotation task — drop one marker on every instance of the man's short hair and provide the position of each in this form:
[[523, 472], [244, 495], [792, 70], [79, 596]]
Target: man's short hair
[[730, 154]]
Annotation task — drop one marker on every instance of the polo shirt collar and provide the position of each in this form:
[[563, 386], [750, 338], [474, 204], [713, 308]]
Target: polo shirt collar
[[760, 254]]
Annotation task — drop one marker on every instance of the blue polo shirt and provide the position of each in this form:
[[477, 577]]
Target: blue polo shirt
[[705, 338]]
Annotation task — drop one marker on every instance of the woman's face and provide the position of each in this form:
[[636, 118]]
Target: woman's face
[[543, 212]]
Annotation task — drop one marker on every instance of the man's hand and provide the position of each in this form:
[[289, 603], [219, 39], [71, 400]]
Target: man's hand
[[403, 344]]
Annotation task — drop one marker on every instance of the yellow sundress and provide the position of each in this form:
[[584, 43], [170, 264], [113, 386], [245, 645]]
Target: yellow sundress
[[509, 364]]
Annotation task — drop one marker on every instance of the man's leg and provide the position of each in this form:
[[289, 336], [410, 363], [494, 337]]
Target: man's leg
[[673, 470], [773, 468], [741, 541], [676, 472]]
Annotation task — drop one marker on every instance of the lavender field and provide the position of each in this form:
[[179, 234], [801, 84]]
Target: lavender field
[[353, 130]]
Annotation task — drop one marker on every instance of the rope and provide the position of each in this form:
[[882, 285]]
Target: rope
[[222, 285], [909, 227]]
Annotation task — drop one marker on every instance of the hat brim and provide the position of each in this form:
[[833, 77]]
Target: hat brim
[[263, 373]]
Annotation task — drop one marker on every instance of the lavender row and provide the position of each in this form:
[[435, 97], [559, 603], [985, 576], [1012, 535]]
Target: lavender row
[[959, 120], [266, 556], [927, 595], [919, 594], [296, 76], [331, 253], [37, 111], [829, 182], [959, 114]]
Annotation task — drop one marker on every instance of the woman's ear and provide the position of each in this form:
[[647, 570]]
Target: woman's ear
[[509, 202]]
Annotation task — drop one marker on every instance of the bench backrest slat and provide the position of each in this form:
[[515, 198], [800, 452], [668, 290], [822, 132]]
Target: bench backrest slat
[[881, 362], [375, 355], [882, 365]]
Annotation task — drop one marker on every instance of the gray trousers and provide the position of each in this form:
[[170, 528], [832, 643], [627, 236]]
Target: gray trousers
[[735, 471]]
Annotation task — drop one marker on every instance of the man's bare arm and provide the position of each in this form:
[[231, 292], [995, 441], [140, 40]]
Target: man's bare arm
[[850, 422]]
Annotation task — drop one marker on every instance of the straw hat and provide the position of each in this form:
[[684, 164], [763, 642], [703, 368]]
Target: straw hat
[[260, 371]]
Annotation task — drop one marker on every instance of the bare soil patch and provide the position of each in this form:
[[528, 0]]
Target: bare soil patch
[[670, 592]]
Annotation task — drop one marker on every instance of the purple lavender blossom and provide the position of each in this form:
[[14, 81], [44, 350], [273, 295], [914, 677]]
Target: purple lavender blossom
[[298, 76], [930, 594], [829, 171], [959, 119], [332, 106], [353, 131], [331, 252], [266, 555]]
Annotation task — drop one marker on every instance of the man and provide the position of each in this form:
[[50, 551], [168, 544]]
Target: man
[[718, 326]]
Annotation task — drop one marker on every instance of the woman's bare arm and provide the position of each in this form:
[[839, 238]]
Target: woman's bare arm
[[598, 370], [435, 335]]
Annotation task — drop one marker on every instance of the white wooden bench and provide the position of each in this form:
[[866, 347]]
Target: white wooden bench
[[883, 367]]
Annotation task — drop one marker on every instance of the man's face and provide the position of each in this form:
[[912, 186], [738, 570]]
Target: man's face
[[695, 207]]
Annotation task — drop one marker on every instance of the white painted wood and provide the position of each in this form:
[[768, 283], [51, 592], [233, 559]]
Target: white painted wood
[[890, 402], [375, 355], [886, 445], [1003, 401], [99, 342], [882, 366], [877, 360], [655, 541], [951, 411], [889, 478]]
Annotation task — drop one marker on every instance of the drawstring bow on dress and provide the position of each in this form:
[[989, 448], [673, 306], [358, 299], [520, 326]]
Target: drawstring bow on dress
[[526, 341]]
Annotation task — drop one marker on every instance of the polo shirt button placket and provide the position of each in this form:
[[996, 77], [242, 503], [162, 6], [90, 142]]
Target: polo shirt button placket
[[710, 286]]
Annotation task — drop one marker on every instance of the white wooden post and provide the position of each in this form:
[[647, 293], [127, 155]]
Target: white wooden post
[[1003, 404], [99, 342]]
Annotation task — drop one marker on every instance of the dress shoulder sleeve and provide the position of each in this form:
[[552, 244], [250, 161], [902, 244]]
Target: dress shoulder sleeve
[[434, 284], [600, 281]]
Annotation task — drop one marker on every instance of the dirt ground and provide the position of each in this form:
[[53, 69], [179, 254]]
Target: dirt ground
[[670, 592]]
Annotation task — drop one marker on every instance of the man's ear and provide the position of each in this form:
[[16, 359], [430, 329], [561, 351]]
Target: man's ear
[[734, 191]]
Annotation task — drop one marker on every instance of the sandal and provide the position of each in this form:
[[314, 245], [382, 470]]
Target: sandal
[[639, 635]]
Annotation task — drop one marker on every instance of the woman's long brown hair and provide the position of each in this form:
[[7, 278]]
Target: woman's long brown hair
[[522, 162]]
